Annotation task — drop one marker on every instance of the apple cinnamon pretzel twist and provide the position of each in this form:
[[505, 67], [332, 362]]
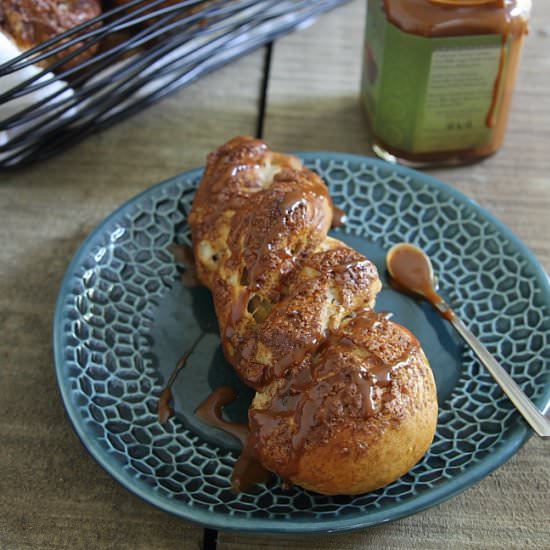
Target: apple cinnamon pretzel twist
[[345, 400]]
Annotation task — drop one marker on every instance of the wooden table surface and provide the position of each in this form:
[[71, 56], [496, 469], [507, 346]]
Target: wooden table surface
[[52, 493]]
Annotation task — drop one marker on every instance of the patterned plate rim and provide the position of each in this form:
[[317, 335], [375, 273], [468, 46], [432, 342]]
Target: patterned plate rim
[[517, 436]]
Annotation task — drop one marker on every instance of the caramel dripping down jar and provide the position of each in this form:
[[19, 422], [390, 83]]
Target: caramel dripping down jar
[[438, 77]]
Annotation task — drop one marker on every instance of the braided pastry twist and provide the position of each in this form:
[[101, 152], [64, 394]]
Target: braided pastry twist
[[345, 400]]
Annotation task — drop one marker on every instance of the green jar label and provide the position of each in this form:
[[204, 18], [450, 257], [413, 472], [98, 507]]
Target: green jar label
[[429, 94]]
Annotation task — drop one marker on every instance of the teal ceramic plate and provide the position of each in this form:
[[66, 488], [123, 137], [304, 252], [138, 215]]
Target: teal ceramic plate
[[123, 319]]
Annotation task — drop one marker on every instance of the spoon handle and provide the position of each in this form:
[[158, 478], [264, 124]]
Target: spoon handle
[[537, 421]]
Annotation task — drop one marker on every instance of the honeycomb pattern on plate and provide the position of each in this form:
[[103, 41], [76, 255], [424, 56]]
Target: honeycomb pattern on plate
[[108, 304]]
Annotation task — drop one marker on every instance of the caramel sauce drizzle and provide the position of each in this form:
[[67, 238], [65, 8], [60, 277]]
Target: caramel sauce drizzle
[[248, 470], [491, 119], [165, 411], [309, 388], [411, 273], [210, 411], [183, 254], [287, 258], [339, 217], [311, 378]]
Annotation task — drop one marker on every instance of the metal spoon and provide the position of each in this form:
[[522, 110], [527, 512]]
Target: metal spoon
[[411, 271]]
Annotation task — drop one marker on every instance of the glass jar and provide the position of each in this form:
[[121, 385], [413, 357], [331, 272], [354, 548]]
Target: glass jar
[[438, 77]]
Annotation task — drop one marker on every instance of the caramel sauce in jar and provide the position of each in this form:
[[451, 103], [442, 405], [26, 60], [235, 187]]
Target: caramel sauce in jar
[[439, 75]]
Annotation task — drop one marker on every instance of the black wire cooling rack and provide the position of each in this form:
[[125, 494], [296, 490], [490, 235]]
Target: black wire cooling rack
[[146, 50]]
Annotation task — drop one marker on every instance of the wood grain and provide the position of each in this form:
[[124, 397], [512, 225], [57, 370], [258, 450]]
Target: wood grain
[[313, 92], [52, 493]]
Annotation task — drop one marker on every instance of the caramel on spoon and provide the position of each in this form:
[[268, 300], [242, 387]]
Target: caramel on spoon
[[411, 272]]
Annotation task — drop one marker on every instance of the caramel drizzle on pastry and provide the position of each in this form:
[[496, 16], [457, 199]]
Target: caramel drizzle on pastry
[[294, 305]]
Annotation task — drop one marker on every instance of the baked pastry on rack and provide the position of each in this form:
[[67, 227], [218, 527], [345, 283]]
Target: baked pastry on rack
[[31, 22], [345, 398]]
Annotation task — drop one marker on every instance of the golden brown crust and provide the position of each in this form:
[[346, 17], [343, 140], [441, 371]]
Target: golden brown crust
[[251, 229], [185, 13], [363, 458], [339, 387], [362, 434], [32, 22]]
